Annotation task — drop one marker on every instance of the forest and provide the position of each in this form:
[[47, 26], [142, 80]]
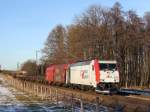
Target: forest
[[106, 34]]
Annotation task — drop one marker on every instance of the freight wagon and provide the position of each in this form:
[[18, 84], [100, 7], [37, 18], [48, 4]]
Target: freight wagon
[[56, 74]]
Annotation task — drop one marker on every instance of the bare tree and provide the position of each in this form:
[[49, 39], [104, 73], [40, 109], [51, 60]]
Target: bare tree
[[106, 34], [54, 50], [30, 67]]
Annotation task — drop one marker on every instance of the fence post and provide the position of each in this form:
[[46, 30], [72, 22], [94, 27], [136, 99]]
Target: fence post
[[56, 97], [97, 104], [42, 92], [63, 99], [81, 105], [46, 93], [72, 102]]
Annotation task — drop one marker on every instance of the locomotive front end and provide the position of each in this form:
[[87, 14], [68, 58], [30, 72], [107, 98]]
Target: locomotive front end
[[108, 77], [108, 72]]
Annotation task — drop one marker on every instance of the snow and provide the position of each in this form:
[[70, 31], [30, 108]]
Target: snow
[[9, 102]]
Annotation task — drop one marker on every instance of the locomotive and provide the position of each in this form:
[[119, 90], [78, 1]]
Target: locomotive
[[102, 76]]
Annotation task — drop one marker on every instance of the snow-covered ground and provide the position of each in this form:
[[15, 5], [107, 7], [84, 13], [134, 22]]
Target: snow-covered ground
[[8, 101], [12, 100]]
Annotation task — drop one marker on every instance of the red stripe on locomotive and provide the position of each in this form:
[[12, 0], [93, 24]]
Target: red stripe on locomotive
[[97, 69]]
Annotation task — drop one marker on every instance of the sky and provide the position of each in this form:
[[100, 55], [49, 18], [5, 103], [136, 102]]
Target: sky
[[25, 24]]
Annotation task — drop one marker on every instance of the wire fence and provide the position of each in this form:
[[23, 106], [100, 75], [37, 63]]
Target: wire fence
[[75, 101]]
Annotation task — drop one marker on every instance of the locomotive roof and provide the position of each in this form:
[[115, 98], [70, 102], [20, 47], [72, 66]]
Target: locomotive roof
[[109, 61], [88, 62], [81, 63]]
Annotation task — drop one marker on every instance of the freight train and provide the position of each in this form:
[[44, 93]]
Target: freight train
[[102, 76]]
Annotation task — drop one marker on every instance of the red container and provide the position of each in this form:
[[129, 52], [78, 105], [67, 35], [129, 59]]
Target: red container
[[50, 73], [56, 73]]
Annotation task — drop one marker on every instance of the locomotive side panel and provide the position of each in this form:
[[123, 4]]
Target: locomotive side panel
[[80, 73]]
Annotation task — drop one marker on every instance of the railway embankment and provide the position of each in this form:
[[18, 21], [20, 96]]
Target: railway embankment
[[129, 103]]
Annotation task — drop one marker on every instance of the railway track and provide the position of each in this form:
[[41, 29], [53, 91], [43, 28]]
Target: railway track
[[135, 92]]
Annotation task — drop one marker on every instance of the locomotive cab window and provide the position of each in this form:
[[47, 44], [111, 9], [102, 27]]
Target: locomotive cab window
[[106, 66], [112, 67]]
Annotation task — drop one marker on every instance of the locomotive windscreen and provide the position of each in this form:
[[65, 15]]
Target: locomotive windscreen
[[107, 66]]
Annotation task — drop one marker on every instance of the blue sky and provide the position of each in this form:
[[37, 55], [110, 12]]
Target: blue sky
[[25, 24]]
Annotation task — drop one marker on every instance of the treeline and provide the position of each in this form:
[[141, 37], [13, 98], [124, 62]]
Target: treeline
[[106, 34]]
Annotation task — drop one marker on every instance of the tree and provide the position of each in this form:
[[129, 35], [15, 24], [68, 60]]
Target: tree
[[147, 20], [106, 34], [55, 46], [30, 67]]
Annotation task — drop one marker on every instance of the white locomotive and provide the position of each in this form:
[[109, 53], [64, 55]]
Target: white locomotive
[[102, 75]]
